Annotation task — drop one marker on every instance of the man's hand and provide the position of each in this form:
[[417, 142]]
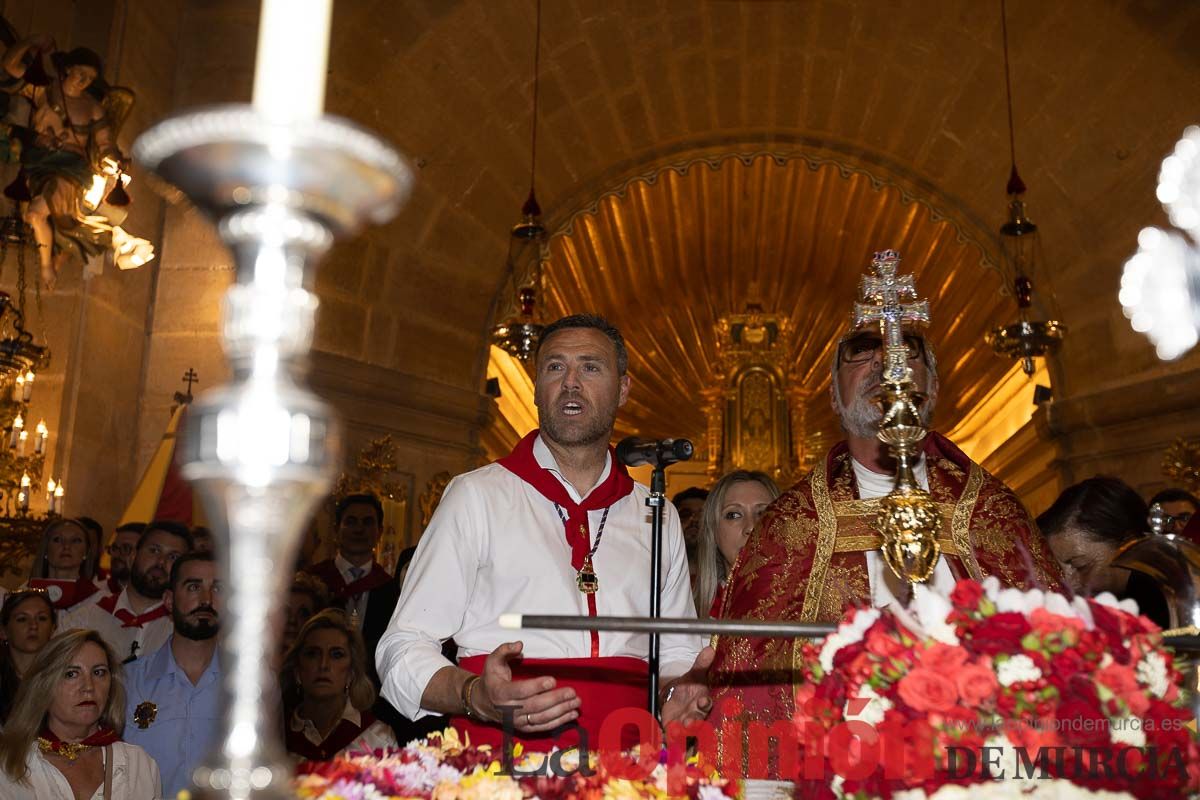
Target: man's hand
[[542, 707], [686, 698]]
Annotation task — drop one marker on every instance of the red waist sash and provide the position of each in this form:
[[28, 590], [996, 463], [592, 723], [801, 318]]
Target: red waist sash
[[603, 684]]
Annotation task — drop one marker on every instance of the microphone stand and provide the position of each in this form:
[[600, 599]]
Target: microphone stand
[[656, 500]]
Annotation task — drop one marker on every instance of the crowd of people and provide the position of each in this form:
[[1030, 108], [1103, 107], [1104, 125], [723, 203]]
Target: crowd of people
[[110, 677]]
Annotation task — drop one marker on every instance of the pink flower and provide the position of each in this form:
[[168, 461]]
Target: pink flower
[[925, 690], [976, 683], [1123, 682], [943, 658]]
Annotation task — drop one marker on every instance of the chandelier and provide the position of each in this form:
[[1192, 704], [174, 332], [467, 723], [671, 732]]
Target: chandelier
[[1021, 247], [21, 460], [519, 331]]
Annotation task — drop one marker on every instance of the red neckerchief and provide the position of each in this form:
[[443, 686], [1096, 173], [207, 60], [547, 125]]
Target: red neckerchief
[[48, 741], [127, 617], [328, 572], [73, 592], [114, 586], [522, 463], [342, 736]]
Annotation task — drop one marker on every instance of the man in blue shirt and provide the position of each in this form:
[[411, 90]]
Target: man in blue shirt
[[173, 695]]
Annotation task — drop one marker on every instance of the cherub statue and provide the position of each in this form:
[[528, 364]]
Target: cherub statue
[[66, 119]]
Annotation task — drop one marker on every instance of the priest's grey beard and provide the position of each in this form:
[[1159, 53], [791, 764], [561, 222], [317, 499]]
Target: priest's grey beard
[[861, 416]]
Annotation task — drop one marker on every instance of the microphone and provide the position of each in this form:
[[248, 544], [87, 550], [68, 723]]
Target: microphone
[[634, 452]]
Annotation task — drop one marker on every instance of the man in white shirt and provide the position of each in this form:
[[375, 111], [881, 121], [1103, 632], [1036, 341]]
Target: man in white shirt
[[532, 534], [134, 621]]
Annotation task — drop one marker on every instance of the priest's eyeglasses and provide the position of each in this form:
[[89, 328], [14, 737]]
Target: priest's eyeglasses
[[863, 347]]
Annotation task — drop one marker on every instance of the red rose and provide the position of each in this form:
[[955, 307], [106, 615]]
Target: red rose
[[966, 595], [881, 642], [925, 690], [1081, 724], [1000, 633], [976, 684], [943, 658]]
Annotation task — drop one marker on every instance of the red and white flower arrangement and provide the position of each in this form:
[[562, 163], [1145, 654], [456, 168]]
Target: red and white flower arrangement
[[996, 692], [445, 767]]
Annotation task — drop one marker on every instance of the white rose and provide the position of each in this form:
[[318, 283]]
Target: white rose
[[873, 711], [1017, 669], [1127, 730], [1129, 606], [1152, 673]]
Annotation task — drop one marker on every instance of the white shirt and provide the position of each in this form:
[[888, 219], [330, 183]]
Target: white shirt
[[135, 777], [148, 638], [377, 736], [497, 545], [872, 485], [356, 606]]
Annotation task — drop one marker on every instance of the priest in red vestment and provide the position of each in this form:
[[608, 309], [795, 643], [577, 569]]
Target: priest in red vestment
[[816, 551], [556, 527]]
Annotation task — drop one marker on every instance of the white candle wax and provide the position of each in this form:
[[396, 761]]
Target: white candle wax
[[293, 50]]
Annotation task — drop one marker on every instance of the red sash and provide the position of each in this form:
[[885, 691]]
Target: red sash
[[328, 572], [342, 736], [98, 738], [127, 617], [522, 463], [604, 685], [70, 592]]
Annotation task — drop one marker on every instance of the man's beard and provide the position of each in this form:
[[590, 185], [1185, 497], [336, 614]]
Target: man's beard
[[120, 574], [199, 630], [861, 417], [565, 431], [147, 586]]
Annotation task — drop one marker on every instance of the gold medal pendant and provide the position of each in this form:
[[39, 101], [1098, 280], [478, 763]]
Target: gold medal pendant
[[586, 578]]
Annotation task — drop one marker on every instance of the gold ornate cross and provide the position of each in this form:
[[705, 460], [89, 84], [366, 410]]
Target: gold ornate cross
[[883, 297]]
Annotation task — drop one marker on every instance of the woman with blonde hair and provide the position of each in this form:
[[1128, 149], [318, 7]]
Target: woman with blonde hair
[[65, 564], [325, 675], [63, 737], [730, 513]]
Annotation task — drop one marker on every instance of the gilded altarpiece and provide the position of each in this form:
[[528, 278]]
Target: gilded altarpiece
[[755, 418]]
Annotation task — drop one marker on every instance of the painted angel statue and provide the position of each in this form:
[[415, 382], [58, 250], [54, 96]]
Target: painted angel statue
[[66, 118]]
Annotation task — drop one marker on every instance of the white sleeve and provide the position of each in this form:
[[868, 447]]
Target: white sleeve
[[143, 781], [677, 650], [434, 599]]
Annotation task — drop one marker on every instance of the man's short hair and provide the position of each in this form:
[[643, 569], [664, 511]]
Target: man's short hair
[[690, 493], [371, 500], [1175, 495], [187, 558], [131, 527], [167, 526], [596, 322]]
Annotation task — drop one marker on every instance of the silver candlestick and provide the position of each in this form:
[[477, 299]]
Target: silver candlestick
[[262, 450]]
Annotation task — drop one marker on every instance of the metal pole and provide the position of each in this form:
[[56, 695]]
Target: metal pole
[[658, 486]]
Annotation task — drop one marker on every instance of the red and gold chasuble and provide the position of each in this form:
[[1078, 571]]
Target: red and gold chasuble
[[806, 561]]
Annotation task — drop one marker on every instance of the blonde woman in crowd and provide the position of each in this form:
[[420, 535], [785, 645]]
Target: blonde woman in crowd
[[63, 736], [328, 710], [730, 513]]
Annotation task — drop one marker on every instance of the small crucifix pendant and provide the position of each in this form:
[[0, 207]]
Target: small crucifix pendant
[[586, 579]]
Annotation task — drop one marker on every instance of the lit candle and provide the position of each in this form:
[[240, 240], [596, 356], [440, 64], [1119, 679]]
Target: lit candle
[[293, 50], [21, 439], [39, 441], [19, 388], [17, 426], [58, 498], [27, 388], [23, 494]]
